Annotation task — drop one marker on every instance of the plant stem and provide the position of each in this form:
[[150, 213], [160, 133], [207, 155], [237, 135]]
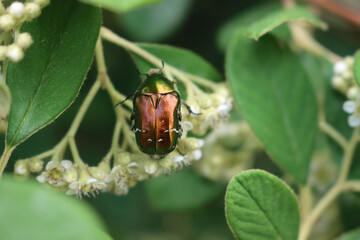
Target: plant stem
[[4, 159], [333, 133], [352, 186], [183, 76], [84, 107], [331, 195]]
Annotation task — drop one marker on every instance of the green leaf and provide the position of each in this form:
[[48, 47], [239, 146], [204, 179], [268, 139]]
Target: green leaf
[[352, 235], [182, 190], [182, 59], [357, 67], [259, 206], [248, 17], [279, 17], [275, 96], [121, 5], [30, 211], [48, 79], [147, 23]]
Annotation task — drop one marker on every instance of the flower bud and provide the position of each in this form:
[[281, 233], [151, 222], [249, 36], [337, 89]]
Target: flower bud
[[16, 9], [105, 167], [21, 168], [15, 53], [353, 93], [339, 83], [123, 158], [349, 60], [71, 175], [7, 22], [32, 10], [150, 167], [187, 145], [35, 165], [204, 102], [24, 40], [97, 173]]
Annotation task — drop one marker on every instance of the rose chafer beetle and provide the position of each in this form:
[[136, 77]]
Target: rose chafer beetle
[[156, 115]]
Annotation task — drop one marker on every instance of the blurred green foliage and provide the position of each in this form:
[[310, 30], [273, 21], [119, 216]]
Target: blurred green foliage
[[195, 25]]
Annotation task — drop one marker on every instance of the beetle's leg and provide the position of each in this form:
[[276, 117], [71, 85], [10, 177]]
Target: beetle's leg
[[163, 65], [189, 108], [127, 98], [180, 131], [132, 118], [141, 74]]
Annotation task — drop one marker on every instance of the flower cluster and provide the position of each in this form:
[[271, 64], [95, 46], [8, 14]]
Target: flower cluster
[[228, 150], [11, 19], [213, 108], [344, 81]]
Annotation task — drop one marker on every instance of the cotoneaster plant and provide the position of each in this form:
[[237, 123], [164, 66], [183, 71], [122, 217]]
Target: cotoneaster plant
[[283, 94]]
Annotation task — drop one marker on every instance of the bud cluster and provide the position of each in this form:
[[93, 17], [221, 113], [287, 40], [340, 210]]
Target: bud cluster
[[344, 81], [229, 149], [11, 18], [213, 108]]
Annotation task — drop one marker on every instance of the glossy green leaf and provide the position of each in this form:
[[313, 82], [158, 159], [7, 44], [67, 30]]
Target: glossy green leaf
[[121, 5], [260, 206], [182, 59], [248, 17], [30, 211], [352, 235], [275, 19], [357, 67], [276, 98], [182, 190], [147, 23], [48, 79]]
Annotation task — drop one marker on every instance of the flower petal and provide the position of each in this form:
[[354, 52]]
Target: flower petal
[[67, 164], [187, 126]]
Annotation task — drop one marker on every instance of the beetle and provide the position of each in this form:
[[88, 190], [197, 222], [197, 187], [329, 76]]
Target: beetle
[[156, 114]]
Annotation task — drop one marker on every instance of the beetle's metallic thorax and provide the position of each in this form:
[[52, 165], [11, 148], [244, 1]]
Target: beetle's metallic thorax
[[156, 83]]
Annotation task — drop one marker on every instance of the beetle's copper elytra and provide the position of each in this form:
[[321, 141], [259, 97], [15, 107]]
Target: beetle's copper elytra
[[156, 115]]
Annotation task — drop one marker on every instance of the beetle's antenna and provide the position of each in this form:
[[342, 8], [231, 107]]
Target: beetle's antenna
[[127, 98], [163, 65], [141, 74]]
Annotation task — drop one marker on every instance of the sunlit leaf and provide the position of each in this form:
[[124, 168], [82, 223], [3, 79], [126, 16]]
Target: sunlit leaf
[[276, 97], [30, 211], [260, 206], [48, 79], [121, 5]]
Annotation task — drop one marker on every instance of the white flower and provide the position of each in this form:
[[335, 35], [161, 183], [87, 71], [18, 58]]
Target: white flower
[[340, 67], [180, 160], [54, 173], [16, 9], [123, 177], [86, 186]]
